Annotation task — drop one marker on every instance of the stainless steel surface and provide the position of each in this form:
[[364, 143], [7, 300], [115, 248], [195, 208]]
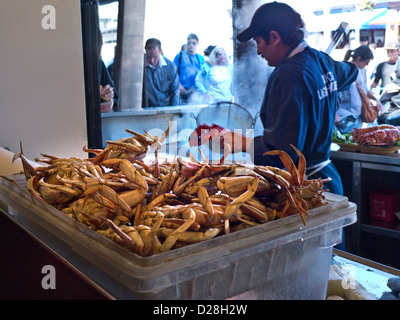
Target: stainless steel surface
[[366, 262], [371, 275]]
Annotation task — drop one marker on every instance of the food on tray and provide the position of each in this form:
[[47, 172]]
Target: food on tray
[[154, 207], [380, 139], [380, 135], [341, 138]]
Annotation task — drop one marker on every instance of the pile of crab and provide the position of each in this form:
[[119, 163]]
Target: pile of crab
[[152, 207]]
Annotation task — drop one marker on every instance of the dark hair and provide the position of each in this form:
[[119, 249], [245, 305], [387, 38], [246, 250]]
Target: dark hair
[[364, 52], [208, 50], [288, 38], [193, 36], [153, 43]]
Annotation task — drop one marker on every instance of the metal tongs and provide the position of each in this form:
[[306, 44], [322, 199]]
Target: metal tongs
[[340, 32]]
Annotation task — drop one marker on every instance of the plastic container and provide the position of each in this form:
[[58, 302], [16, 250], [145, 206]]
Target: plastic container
[[282, 259], [384, 203]]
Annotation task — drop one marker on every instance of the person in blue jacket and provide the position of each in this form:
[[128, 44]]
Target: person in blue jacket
[[188, 64], [301, 97]]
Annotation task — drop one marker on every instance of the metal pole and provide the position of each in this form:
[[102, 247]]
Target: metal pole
[[90, 21]]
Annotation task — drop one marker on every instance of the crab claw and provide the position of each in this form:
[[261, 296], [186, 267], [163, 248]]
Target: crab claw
[[297, 174], [133, 240], [29, 171], [174, 236], [232, 207], [112, 198], [205, 200], [164, 136], [302, 164]]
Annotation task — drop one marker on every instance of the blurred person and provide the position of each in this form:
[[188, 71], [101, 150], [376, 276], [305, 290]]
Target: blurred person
[[161, 81], [111, 67], [215, 78], [389, 70], [208, 50], [188, 64], [349, 114], [108, 93]]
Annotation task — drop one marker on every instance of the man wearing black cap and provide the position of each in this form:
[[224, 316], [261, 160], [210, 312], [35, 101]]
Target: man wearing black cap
[[301, 96]]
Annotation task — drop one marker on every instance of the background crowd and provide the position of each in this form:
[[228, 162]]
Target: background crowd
[[190, 78], [376, 82], [195, 78]]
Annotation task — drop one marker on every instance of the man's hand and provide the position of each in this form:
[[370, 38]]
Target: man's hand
[[106, 92], [237, 141]]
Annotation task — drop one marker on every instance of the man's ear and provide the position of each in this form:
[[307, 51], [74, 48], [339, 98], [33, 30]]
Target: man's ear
[[274, 37]]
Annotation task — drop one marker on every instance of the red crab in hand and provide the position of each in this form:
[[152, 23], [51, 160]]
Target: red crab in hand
[[204, 133]]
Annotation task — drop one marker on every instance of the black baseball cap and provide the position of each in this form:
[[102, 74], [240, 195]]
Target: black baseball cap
[[272, 16]]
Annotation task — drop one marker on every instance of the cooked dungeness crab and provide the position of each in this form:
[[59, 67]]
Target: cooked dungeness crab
[[153, 208]]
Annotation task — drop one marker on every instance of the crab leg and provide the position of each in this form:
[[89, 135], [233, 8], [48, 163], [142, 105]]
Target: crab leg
[[191, 236], [259, 215], [157, 201], [302, 164], [92, 220], [232, 207], [129, 170], [288, 163], [95, 151], [149, 235], [110, 195], [297, 174], [132, 174], [131, 240], [164, 136], [133, 197], [186, 183], [31, 185], [264, 171], [228, 150], [174, 236], [205, 200], [176, 222], [61, 188], [29, 171]]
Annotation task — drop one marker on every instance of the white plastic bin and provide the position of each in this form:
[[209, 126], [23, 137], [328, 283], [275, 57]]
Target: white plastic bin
[[282, 259]]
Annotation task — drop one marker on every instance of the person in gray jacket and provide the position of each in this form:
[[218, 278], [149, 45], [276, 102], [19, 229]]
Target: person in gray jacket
[[161, 80]]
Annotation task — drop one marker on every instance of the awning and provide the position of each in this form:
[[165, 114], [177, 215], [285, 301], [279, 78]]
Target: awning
[[377, 22], [331, 22]]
